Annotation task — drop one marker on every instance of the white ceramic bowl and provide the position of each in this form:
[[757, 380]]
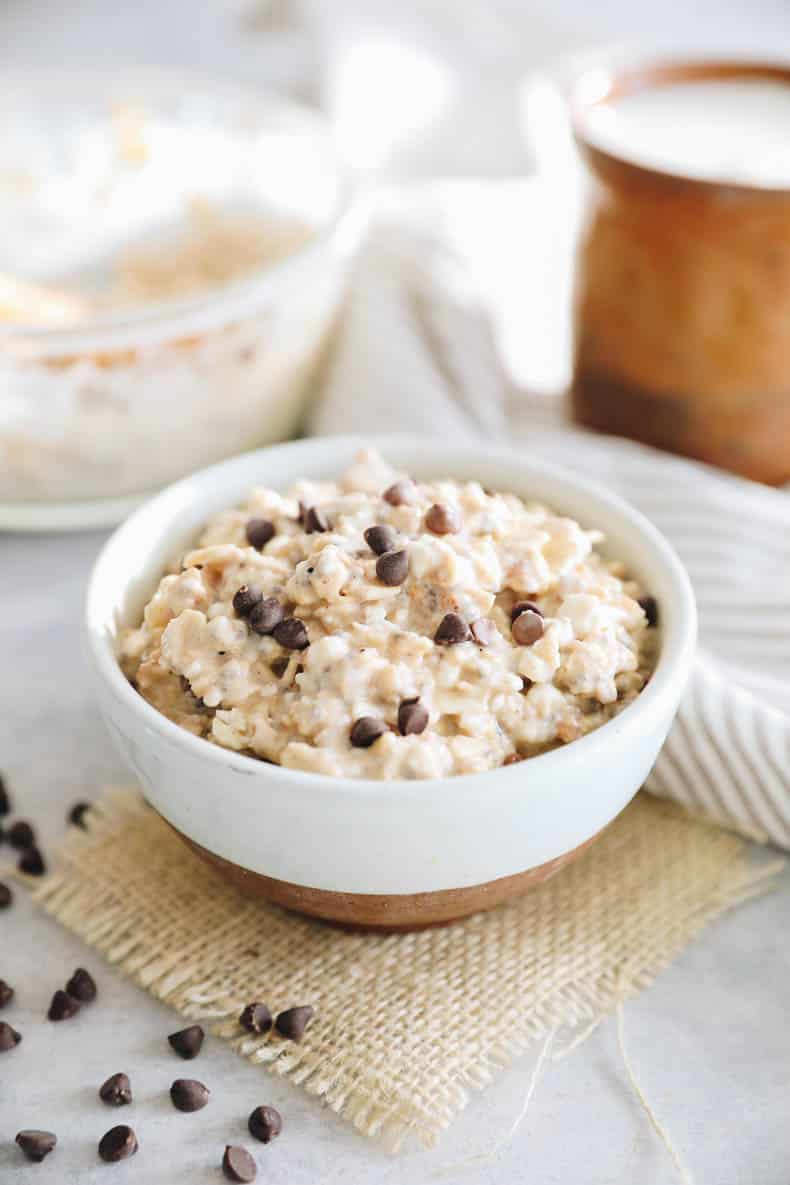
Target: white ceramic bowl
[[398, 853]]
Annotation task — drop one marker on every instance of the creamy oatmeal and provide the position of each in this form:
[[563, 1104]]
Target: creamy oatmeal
[[382, 627]]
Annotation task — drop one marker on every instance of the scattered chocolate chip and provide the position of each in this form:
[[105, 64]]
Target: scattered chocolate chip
[[32, 862], [512, 759], [293, 1022], [265, 1123], [76, 815], [380, 539], [5, 800], [650, 608], [245, 599], [35, 1144], [238, 1165], [443, 520], [279, 666], [392, 568], [525, 684], [6, 993], [265, 615], [256, 1018], [400, 493], [82, 986], [292, 634], [259, 531], [483, 631], [6, 896], [187, 1042], [63, 1006], [8, 1037], [527, 628], [522, 607], [365, 731], [118, 1144], [116, 1091], [412, 718], [21, 835], [188, 1094], [315, 521], [452, 630]]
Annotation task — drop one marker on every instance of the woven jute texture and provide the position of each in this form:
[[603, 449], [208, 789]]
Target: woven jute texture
[[404, 1024]]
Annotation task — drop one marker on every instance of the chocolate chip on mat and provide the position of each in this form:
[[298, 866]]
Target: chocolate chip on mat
[[21, 835], [187, 1042], [366, 730], [256, 1018], [76, 815], [5, 800], [452, 630], [292, 634], [265, 615], [118, 1144], [392, 568], [245, 599], [8, 1037], [32, 862], [36, 1144], [293, 1021], [483, 631], [527, 628], [400, 493], [443, 520], [265, 1123], [188, 1094], [521, 607], [259, 531], [6, 993], [82, 986], [116, 1091], [380, 539], [6, 896], [238, 1165], [315, 521], [412, 718], [63, 1006], [650, 607]]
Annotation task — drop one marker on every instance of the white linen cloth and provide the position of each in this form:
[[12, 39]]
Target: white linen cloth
[[416, 353]]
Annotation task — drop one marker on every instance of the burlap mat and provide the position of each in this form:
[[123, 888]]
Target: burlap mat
[[404, 1024]]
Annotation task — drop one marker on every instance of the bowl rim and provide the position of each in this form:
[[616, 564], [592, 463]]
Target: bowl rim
[[676, 650], [219, 304]]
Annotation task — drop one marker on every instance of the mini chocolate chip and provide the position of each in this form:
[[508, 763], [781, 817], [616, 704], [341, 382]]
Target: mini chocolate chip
[[5, 800], [6, 993], [63, 1006], [8, 1037], [392, 568], [527, 628], [118, 1143], [412, 718], [265, 615], [452, 630], [32, 862], [21, 835], [82, 986], [522, 607], [6, 896], [279, 666], [188, 1094], [292, 634], [238, 1165], [365, 731], [525, 684], [443, 520], [76, 815], [380, 539], [245, 599], [256, 1018], [650, 607], [512, 759], [36, 1144], [293, 1022], [116, 1091], [315, 521], [483, 631], [400, 493], [187, 1042], [259, 531], [265, 1123]]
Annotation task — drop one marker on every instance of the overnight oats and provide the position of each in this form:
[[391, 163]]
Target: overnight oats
[[381, 627]]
